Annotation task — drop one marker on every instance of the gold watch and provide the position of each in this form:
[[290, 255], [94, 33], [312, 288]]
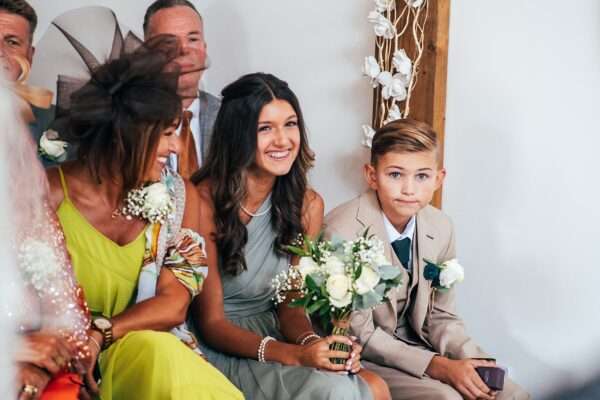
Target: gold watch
[[104, 326]]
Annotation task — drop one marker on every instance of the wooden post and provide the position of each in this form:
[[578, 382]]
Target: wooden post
[[428, 101], [428, 98]]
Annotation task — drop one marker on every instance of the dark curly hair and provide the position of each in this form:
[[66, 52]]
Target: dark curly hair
[[22, 8], [117, 117], [233, 151]]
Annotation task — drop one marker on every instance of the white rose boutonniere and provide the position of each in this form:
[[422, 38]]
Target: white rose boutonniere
[[443, 276], [51, 148]]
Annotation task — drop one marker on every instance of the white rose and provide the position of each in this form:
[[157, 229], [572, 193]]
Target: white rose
[[384, 5], [371, 69], [451, 273], [334, 266], [393, 86], [157, 196], [338, 287], [52, 147], [393, 114], [414, 3], [307, 266], [368, 134], [368, 279], [402, 63]]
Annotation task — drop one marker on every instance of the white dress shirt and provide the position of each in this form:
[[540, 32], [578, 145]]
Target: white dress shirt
[[195, 127]]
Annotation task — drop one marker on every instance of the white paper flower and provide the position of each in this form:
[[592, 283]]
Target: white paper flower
[[393, 114], [403, 64], [338, 287], [371, 69], [307, 266], [368, 133], [451, 273], [51, 147], [381, 25], [368, 279], [392, 86], [384, 5], [414, 3], [334, 266], [157, 196]]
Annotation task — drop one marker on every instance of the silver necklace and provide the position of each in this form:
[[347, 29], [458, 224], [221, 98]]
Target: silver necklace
[[257, 214]]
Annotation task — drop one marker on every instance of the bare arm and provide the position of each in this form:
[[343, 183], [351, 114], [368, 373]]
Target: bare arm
[[294, 323], [218, 332], [168, 308]]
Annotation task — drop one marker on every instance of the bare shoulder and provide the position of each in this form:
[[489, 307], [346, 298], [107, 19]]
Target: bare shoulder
[[313, 203]]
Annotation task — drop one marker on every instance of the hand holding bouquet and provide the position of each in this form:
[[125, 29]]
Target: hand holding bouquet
[[337, 278]]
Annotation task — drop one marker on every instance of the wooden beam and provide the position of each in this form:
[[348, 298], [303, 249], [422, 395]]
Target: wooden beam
[[428, 102]]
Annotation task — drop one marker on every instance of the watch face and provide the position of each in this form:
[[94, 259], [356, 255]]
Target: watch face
[[102, 323]]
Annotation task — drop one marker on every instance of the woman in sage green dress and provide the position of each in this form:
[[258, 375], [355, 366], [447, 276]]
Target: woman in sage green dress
[[253, 200], [131, 233]]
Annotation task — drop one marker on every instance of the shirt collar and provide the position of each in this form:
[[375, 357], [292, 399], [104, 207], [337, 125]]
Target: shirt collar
[[393, 233], [195, 107]]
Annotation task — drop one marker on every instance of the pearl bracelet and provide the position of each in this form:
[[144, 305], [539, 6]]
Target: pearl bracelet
[[311, 336], [261, 348]]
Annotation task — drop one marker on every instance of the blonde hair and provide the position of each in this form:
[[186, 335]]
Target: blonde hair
[[404, 136]]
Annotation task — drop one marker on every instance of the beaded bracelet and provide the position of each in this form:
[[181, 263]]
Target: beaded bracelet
[[262, 346], [311, 336]]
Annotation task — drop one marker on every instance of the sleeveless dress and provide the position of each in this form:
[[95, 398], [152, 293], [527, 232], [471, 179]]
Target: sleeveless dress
[[248, 304], [147, 365]]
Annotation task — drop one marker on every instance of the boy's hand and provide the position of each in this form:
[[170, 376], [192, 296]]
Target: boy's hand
[[461, 375]]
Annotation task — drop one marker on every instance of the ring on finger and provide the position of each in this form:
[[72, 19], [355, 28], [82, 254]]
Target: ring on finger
[[30, 389]]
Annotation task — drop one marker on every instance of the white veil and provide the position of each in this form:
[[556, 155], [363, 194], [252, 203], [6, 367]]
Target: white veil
[[37, 287], [10, 288]]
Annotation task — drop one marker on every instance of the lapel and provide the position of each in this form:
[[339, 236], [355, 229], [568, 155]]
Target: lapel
[[369, 216], [426, 248]]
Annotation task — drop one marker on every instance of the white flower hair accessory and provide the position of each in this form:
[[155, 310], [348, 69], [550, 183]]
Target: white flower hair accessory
[[51, 148], [153, 203]]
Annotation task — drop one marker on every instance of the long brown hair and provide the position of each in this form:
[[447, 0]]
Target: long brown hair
[[233, 152]]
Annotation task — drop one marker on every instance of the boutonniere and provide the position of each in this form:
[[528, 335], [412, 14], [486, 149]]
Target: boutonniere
[[51, 148], [443, 276], [152, 203]]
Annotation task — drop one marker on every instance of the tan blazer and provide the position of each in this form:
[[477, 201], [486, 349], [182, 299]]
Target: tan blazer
[[431, 314]]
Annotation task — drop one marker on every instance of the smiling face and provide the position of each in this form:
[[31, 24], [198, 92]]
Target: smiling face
[[405, 183], [168, 144], [15, 40], [184, 23], [278, 138]]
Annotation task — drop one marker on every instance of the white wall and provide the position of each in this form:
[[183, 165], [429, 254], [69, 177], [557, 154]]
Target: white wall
[[317, 47], [522, 132], [522, 140]]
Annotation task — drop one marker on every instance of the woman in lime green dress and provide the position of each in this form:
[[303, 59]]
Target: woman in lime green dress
[[133, 244]]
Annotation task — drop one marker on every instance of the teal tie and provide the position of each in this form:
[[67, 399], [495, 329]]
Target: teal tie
[[402, 249]]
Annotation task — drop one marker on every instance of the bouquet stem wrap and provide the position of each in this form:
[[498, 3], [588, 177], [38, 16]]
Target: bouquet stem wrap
[[341, 327]]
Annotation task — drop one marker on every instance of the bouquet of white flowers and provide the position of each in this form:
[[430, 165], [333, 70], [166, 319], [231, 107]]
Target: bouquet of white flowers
[[336, 278]]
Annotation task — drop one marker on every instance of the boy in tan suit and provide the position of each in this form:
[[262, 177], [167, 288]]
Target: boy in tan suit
[[415, 341]]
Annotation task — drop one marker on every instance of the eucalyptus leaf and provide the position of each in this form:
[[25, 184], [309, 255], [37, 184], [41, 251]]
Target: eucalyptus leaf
[[371, 299], [388, 272]]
